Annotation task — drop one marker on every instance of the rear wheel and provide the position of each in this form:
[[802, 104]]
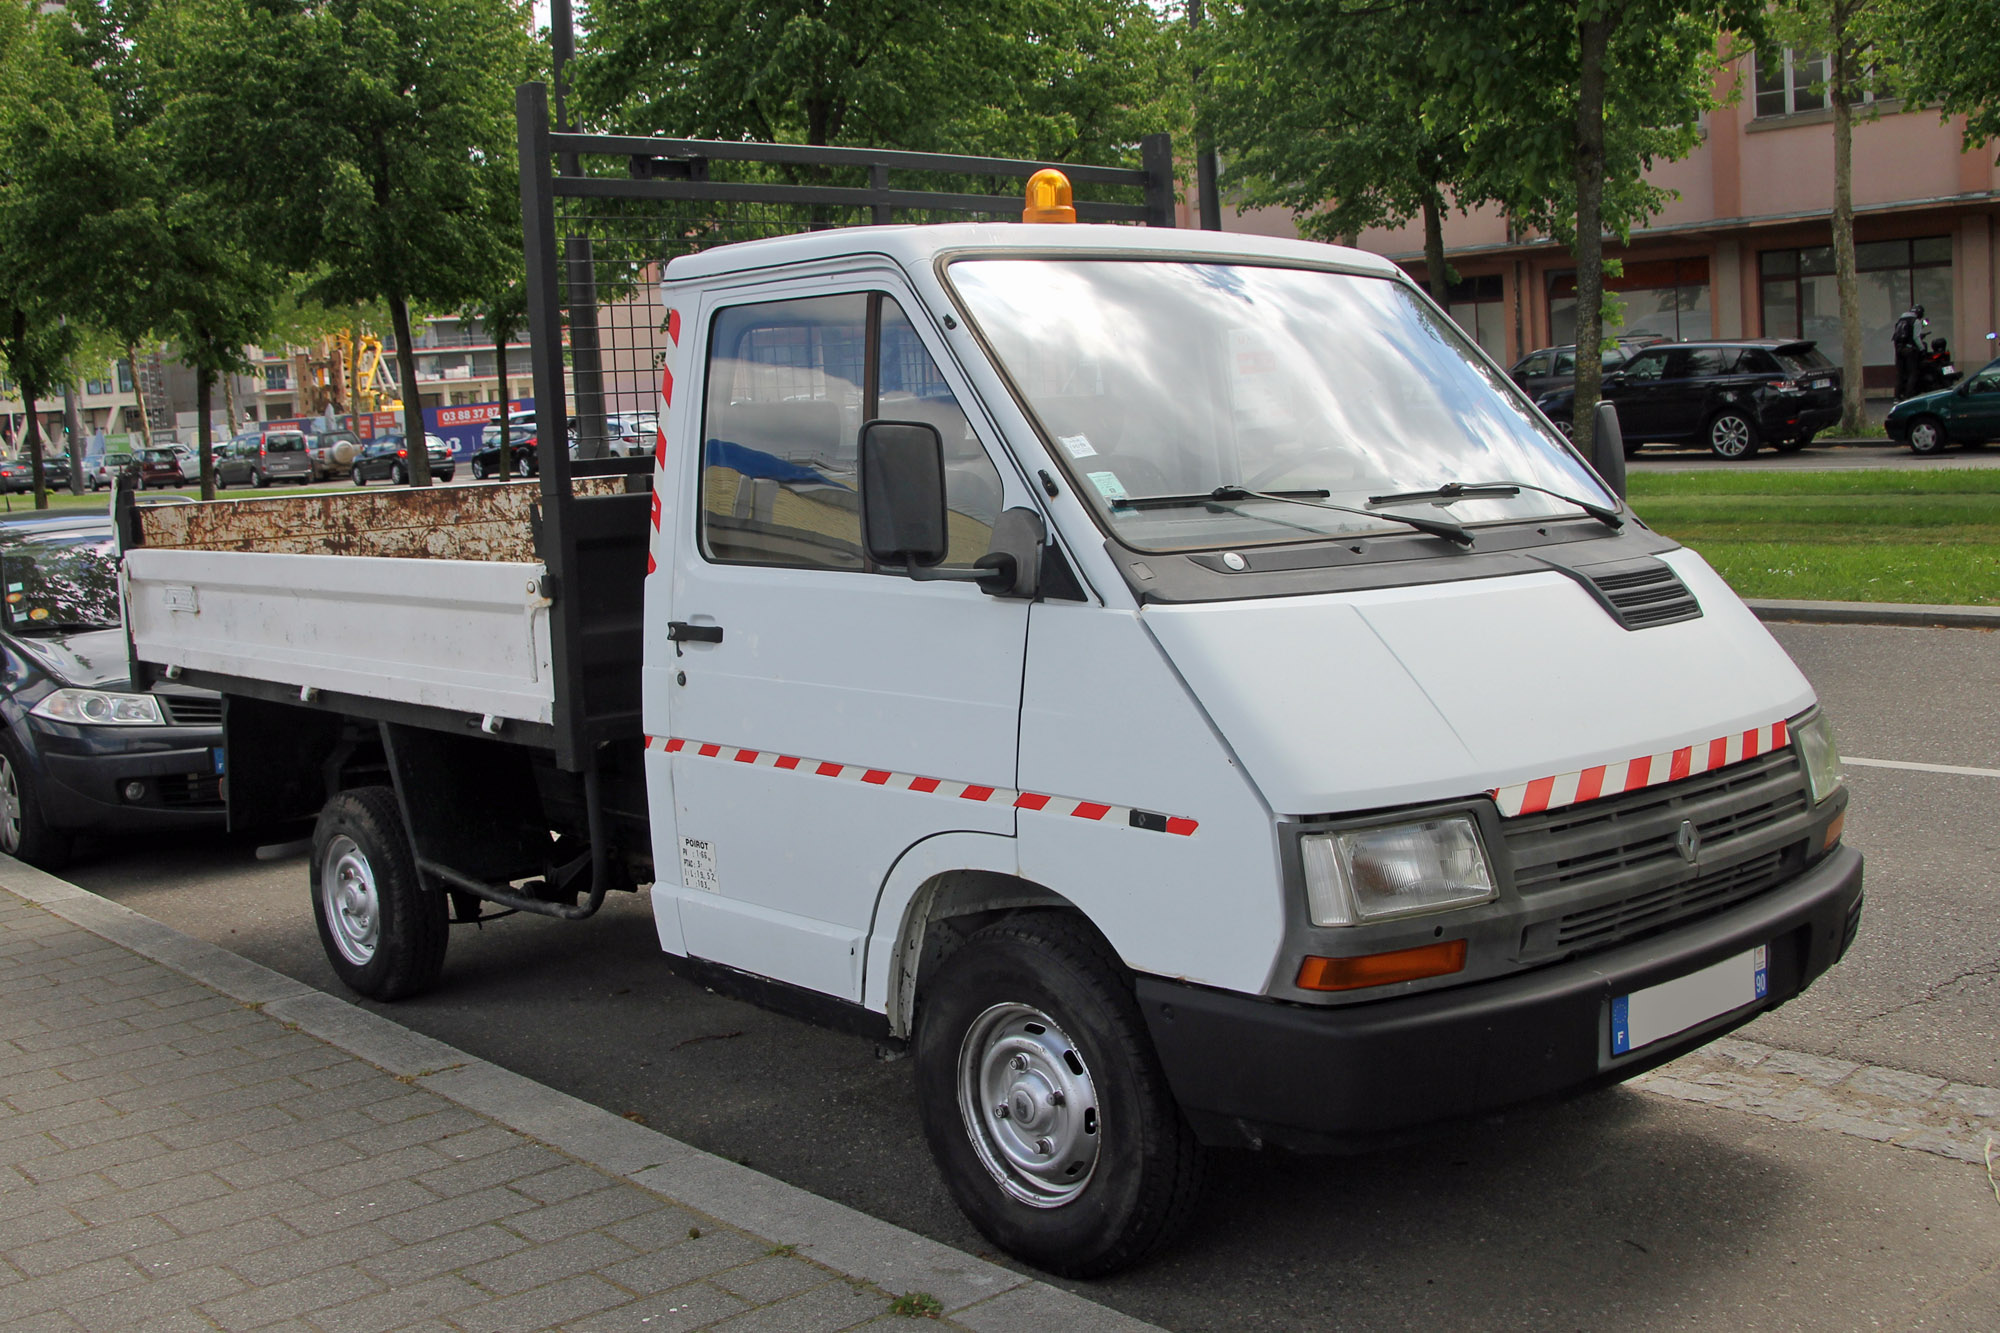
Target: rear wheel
[[1044, 1104], [261, 478], [1732, 435], [524, 466], [382, 930], [399, 475], [1927, 436], [359, 480], [23, 830], [478, 470]]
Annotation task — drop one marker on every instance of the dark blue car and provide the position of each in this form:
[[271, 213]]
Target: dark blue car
[[81, 751]]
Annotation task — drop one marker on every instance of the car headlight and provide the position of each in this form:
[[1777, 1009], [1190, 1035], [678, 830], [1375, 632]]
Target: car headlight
[[1363, 875], [1819, 754], [101, 708]]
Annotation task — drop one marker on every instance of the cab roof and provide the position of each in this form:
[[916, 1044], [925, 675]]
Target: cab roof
[[916, 247]]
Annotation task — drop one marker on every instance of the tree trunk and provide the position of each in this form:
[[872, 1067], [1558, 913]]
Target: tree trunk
[[1593, 38], [139, 392], [204, 428], [504, 462], [228, 404], [34, 445], [1853, 415], [1434, 265], [415, 453], [73, 433]]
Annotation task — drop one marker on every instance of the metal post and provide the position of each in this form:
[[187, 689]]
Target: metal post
[[878, 179], [1156, 157], [556, 543], [562, 44]]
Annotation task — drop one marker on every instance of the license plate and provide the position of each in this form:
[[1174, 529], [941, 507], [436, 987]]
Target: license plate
[[1822, 384], [1951, 370], [1649, 1015]]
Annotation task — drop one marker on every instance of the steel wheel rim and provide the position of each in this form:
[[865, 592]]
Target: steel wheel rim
[[349, 900], [1729, 436], [1029, 1105], [10, 807]]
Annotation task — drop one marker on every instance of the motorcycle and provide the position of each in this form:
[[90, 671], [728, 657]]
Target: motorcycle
[[1934, 367]]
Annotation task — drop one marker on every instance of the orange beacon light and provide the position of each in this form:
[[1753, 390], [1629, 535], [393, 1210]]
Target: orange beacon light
[[1048, 198]]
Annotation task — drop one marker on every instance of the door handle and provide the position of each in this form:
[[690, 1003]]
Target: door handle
[[682, 632]]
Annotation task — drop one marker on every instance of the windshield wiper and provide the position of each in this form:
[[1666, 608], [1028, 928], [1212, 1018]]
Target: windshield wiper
[[1497, 490], [1436, 527]]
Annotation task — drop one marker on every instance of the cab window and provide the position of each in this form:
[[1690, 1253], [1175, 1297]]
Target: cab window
[[789, 385]]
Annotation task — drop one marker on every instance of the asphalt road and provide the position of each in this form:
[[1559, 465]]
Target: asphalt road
[[1617, 1210]]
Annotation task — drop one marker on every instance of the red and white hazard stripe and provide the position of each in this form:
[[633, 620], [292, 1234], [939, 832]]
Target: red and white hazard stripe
[[1069, 806], [667, 364], [1651, 770]]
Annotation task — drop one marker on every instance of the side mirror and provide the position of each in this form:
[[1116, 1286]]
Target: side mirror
[[1613, 380], [902, 494], [1608, 448]]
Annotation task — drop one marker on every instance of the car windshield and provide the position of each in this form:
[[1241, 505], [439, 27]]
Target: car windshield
[[57, 584], [1155, 378]]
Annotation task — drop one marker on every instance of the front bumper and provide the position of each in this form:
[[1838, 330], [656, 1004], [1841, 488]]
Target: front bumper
[[85, 770], [1250, 1071]]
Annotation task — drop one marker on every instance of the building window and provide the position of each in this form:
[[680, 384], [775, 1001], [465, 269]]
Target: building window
[[1790, 82], [1479, 307], [1664, 296], [1801, 300], [94, 388], [277, 377], [124, 369]]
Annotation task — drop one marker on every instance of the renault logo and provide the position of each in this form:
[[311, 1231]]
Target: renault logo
[[1688, 841]]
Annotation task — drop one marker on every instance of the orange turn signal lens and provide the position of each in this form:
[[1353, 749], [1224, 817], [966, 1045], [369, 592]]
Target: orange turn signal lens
[[1833, 831], [1380, 969], [1048, 198]]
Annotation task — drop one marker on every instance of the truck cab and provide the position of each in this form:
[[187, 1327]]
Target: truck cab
[[1173, 685]]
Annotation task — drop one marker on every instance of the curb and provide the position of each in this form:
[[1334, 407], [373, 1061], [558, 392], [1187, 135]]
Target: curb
[[974, 1293], [1909, 614]]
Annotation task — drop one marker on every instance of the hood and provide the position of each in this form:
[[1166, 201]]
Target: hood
[[1923, 402], [1348, 701], [91, 658]]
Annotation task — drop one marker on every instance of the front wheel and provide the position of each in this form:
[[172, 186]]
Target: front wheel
[[1927, 436], [524, 466], [382, 930], [478, 470], [24, 832], [1732, 435], [1044, 1104]]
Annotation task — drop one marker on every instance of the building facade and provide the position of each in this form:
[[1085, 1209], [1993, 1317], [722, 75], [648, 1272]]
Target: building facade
[[1744, 250]]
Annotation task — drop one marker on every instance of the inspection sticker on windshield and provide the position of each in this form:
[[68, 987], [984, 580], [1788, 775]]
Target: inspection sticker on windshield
[[1107, 485], [698, 864], [1646, 1016], [1078, 445]]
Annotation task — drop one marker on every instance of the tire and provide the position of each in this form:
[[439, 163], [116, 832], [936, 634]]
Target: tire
[[524, 466], [1028, 1008], [260, 479], [399, 475], [359, 480], [1927, 436], [383, 931], [221, 483], [24, 832], [478, 470], [1731, 435]]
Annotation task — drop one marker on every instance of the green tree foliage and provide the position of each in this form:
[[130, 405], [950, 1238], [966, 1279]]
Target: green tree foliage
[[1567, 103], [1946, 53], [384, 129], [1328, 110], [1062, 80]]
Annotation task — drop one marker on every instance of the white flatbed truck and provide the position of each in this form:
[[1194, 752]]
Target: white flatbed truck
[[1171, 683]]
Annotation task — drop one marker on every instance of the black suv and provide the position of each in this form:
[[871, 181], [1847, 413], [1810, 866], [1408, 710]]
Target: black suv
[[1548, 368], [1728, 396]]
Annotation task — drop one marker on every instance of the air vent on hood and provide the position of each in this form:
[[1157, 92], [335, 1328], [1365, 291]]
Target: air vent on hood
[[1639, 594]]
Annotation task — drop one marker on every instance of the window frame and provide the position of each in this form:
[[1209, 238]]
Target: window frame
[[879, 284]]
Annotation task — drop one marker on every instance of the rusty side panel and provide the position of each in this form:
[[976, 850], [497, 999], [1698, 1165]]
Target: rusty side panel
[[488, 522]]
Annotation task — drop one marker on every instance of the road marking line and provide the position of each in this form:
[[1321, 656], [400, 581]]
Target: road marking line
[[1922, 768]]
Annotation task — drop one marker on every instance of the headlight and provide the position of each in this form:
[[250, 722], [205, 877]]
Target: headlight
[[1817, 752], [101, 708], [1363, 875]]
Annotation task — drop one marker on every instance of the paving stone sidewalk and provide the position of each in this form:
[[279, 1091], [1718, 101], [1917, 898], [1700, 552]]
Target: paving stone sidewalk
[[176, 1157]]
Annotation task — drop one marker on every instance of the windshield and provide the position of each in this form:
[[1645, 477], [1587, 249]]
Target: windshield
[[1174, 378], [60, 583]]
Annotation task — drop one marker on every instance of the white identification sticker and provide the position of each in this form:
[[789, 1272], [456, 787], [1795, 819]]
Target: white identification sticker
[[698, 864], [1107, 485], [1078, 445], [1646, 1016]]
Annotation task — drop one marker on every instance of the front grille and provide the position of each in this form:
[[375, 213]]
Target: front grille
[[192, 710], [1649, 595], [1607, 871], [189, 789]]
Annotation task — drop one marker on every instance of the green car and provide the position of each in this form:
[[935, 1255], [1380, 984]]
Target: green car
[[1967, 413]]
